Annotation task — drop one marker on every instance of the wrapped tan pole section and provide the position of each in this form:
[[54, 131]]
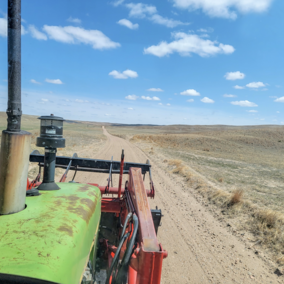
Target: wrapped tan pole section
[[14, 164]]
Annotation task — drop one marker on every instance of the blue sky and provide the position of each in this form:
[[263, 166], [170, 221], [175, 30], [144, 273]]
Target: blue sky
[[158, 62]]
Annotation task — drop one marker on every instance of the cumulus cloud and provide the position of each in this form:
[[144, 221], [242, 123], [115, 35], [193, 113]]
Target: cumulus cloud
[[123, 75], [168, 104], [81, 101], [44, 100], [190, 100], [140, 10], [244, 104], [36, 33], [234, 75], [54, 81], [132, 97], [3, 28], [128, 24], [186, 44], [35, 82], [150, 99], [280, 100], [253, 111], [23, 30], [130, 108], [229, 96], [207, 100], [155, 90], [117, 3], [224, 8], [237, 87], [170, 23], [190, 92], [74, 20], [76, 35], [255, 85], [210, 30]]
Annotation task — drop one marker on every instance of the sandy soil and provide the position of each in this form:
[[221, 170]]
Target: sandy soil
[[201, 249]]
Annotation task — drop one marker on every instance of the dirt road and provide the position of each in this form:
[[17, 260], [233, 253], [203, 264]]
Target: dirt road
[[201, 249]]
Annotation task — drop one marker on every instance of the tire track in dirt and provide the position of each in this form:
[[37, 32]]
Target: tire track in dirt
[[200, 249]]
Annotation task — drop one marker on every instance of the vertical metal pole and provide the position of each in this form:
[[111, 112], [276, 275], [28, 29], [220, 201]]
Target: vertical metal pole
[[15, 144], [14, 110], [121, 173]]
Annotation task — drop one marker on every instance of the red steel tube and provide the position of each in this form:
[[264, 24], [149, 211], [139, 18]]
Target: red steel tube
[[132, 275]]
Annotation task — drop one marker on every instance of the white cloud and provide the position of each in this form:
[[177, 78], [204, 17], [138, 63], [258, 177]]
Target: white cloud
[[123, 75], [130, 73], [170, 23], [35, 82], [186, 44], [54, 81], [234, 75], [160, 104], [207, 100], [190, 92], [155, 90], [146, 98], [117, 3], [244, 104], [255, 85], [253, 111], [150, 99], [168, 104], [140, 10], [224, 8], [75, 35], [229, 96], [128, 24], [132, 97], [81, 101], [190, 100], [238, 87], [23, 30], [74, 20], [277, 111], [3, 28], [44, 100], [210, 30], [280, 100], [36, 33], [130, 108]]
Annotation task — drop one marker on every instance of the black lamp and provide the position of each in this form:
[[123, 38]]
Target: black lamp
[[51, 137]]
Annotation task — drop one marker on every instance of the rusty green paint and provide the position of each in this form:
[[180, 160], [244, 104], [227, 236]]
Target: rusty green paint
[[51, 239]]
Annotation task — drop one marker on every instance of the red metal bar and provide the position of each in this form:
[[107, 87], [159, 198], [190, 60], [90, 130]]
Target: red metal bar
[[112, 205], [63, 178], [121, 173], [150, 253], [132, 275]]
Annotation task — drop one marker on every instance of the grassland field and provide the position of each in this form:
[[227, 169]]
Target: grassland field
[[241, 161]]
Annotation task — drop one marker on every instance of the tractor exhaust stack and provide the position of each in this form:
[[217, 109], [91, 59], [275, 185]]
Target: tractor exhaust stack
[[15, 144]]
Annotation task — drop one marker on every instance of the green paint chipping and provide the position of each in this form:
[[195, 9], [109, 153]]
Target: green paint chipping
[[52, 238]]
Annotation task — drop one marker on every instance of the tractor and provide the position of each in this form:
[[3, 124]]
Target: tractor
[[66, 231]]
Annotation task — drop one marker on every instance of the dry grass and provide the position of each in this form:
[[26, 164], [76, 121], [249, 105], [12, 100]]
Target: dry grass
[[237, 197], [265, 224]]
